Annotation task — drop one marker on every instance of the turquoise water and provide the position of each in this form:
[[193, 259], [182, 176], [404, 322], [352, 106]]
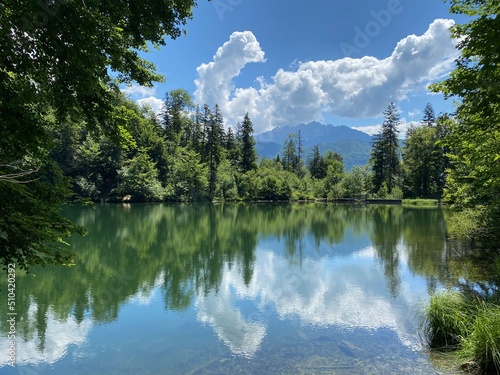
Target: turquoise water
[[235, 289]]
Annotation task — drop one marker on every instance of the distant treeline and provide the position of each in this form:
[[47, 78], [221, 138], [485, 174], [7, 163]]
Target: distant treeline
[[186, 154]]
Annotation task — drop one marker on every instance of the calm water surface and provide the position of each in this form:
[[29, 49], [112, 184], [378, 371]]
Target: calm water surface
[[235, 289]]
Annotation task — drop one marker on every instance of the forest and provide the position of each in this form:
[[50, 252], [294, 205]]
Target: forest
[[69, 134], [186, 154]]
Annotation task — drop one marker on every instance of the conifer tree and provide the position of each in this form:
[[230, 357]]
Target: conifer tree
[[290, 158], [429, 117], [317, 166], [385, 151], [248, 160], [215, 132]]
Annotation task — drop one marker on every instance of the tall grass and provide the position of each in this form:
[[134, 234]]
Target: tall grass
[[482, 345], [446, 320], [452, 321]]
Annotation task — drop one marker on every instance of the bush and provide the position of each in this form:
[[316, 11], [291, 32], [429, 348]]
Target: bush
[[466, 224]]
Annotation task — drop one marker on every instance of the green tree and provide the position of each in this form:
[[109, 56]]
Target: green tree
[[385, 151], [74, 47], [357, 182], [197, 135], [429, 118], [273, 182], [248, 160], [215, 134], [226, 181], [334, 174], [175, 121], [474, 134], [148, 135], [290, 157], [423, 163], [64, 59], [205, 120], [317, 165], [233, 151], [139, 178], [188, 180], [31, 226]]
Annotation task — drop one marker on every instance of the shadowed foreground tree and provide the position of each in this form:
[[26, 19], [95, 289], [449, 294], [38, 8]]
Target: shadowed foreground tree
[[61, 60], [473, 136]]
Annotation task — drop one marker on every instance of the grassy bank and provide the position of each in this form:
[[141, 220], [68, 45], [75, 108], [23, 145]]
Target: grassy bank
[[469, 326], [420, 202]]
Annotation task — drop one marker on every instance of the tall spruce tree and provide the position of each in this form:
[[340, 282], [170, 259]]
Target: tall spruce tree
[[385, 151], [215, 134], [233, 152], [290, 157], [205, 122], [429, 118], [317, 166], [176, 103], [248, 159]]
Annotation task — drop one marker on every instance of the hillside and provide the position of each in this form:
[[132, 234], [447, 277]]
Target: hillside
[[353, 145]]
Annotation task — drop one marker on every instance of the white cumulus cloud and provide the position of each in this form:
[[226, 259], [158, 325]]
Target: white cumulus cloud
[[348, 87], [152, 102], [214, 82]]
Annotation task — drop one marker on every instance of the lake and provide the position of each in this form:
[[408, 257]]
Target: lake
[[236, 289]]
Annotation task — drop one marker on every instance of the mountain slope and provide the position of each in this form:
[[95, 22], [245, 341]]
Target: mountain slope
[[314, 133], [353, 145]]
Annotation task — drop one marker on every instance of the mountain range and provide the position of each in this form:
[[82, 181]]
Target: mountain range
[[353, 145]]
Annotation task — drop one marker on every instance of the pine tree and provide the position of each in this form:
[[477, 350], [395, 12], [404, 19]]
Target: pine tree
[[233, 152], [205, 121], [176, 102], [385, 151], [248, 159], [300, 147], [290, 159], [429, 117], [197, 134], [317, 166], [213, 152]]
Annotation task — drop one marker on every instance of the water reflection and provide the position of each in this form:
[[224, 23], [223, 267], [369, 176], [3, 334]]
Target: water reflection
[[240, 267], [318, 293]]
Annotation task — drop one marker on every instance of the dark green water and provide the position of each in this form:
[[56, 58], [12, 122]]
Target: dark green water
[[236, 289]]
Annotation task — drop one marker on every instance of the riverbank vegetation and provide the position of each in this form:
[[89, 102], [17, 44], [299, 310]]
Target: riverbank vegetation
[[469, 325], [470, 322]]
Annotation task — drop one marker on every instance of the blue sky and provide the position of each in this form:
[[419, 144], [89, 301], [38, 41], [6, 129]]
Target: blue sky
[[291, 62]]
